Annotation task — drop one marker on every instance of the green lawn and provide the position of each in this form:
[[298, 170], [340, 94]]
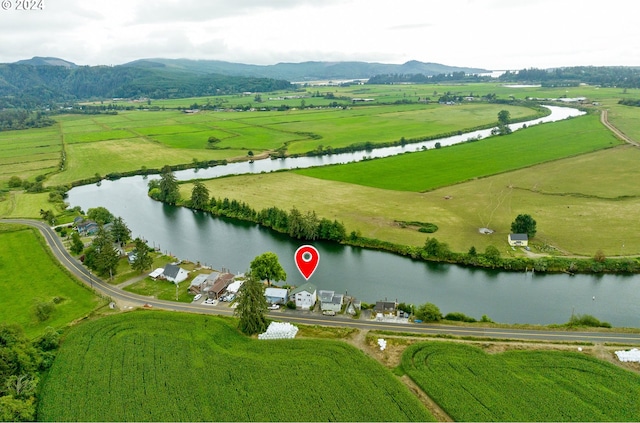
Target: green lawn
[[424, 171], [163, 366], [471, 385], [31, 276]]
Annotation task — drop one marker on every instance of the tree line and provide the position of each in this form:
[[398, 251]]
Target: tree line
[[26, 85], [11, 119]]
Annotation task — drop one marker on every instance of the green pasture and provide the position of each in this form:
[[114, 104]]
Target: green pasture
[[581, 203], [79, 137], [31, 276], [29, 153], [423, 171], [163, 366], [472, 385]]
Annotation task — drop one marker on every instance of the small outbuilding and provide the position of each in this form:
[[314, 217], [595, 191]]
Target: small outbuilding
[[518, 240]]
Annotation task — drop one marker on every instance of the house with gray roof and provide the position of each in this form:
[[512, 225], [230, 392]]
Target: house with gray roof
[[329, 300], [305, 296], [174, 273], [276, 295], [518, 240]]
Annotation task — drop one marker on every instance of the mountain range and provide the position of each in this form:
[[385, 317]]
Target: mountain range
[[292, 72]]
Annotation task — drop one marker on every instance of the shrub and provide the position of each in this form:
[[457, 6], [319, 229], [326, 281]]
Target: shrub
[[459, 317]]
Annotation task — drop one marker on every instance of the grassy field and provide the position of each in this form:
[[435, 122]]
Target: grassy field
[[31, 276], [106, 144], [423, 171], [557, 194], [162, 366], [472, 385]]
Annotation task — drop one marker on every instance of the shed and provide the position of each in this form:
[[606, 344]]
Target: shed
[[156, 273], [518, 240]]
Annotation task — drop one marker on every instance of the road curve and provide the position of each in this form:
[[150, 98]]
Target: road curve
[[604, 118], [83, 274]]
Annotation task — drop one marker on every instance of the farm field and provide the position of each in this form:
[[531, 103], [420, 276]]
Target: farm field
[[32, 278], [557, 194], [163, 366], [423, 171], [473, 385]]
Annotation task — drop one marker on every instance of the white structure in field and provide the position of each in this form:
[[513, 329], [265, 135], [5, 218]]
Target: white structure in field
[[279, 330], [630, 355]]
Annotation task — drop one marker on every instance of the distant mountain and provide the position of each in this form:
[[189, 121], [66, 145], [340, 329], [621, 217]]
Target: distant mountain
[[304, 71], [47, 61]]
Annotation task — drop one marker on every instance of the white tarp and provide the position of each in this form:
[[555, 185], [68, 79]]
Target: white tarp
[[279, 330], [630, 355]]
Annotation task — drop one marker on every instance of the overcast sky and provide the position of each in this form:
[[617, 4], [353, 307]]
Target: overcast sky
[[490, 34]]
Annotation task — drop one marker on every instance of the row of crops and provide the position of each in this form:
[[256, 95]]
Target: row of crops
[[159, 366], [472, 385]]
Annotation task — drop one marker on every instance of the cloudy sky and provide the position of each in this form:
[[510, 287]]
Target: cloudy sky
[[490, 34]]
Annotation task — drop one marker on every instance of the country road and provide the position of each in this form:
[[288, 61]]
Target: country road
[[604, 118], [132, 300]]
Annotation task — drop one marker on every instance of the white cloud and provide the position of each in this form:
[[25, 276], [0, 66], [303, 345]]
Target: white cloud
[[493, 34]]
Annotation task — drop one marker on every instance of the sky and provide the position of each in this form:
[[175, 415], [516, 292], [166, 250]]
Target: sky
[[488, 34]]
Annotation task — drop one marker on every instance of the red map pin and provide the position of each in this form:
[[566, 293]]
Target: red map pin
[[307, 259]]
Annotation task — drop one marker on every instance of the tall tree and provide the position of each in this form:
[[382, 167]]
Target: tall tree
[[524, 224], [169, 190], [105, 256], [251, 306], [119, 231], [199, 195], [142, 260], [100, 215], [76, 243], [266, 266]]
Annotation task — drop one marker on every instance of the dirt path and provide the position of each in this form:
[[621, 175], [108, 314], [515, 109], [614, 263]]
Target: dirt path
[[392, 359], [605, 121]]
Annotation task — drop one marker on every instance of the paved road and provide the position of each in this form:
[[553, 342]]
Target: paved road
[[123, 297]]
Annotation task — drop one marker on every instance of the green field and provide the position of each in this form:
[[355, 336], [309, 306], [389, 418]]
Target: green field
[[31, 276], [163, 366], [424, 171], [472, 385]]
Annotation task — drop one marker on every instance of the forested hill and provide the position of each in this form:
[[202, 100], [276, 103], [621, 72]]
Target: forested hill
[[28, 85], [303, 71]]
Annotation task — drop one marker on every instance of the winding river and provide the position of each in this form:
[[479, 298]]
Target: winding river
[[368, 275]]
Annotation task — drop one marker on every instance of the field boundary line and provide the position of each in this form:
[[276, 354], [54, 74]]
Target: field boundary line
[[605, 121]]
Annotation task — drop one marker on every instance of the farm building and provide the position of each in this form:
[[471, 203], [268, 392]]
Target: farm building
[[304, 296], [276, 295], [174, 273], [518, 240], [329, 300]]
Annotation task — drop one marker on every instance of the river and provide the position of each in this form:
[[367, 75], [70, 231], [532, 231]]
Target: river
[[368, 275]]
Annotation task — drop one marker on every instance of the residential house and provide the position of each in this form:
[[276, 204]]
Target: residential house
[[276, 295], [197, 283], [222, 281], [329, 300], [518, 240], [385, 307], [87, 227], [305, 296], [174, 273]]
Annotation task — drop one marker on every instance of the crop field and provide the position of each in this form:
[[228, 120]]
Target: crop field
[[162, 366], [472, 385], [427, 170], [30, 276]]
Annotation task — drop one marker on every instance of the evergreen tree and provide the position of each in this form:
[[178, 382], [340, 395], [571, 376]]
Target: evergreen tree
[[143, 260], [251, 306], [199, 195], [119, 231], [169, 190], [76, 243]]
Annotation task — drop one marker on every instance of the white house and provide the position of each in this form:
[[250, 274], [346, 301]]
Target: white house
[[276, 295], [518, 240], [329, 300], [175, 274], [304, 296]]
